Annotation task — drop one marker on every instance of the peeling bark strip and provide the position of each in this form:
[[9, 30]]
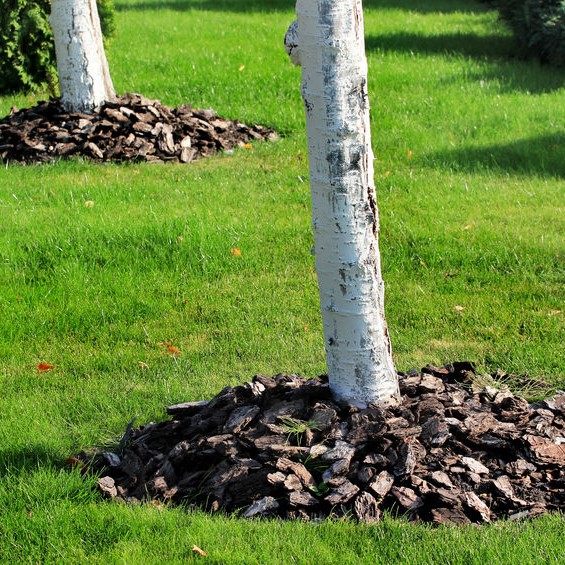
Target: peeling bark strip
[[84, 76], [328, 42]]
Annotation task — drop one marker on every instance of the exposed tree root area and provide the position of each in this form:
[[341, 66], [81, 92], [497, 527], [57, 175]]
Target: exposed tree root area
[[461, 448], [130, 128]]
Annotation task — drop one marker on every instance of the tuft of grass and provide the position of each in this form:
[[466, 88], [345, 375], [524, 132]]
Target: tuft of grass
[[521, 385], [295, 429]]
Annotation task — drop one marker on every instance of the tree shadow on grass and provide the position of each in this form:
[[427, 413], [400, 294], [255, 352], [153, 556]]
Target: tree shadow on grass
[[238, 6], [27, 458], [419, 6], [429, 6], [542, 156], [498, 49], [467, 44]]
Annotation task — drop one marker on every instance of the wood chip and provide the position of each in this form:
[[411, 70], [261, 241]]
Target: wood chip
[[475, 503], [261, 507], [407, 498], [474, 466], [366, 508], [545, 450], [343, 493], [302, 498]]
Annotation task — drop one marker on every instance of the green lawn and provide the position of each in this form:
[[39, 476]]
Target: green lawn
[[470, 172]]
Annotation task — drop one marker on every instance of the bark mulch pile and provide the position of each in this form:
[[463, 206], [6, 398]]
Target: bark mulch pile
[[130, 128], [457, 450]]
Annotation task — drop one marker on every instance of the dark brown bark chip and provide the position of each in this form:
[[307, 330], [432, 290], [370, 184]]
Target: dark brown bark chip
[[186, 408], [449, 454], [407, 498], [261, 507], [131, 128], [435, 431], [302, 498], [343, 493], [449, 516], [382, 484], [305, 477], [240, 418], [366, 508]]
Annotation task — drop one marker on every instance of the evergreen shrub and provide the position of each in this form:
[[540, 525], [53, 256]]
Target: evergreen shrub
[[538, 26], [27, 52]]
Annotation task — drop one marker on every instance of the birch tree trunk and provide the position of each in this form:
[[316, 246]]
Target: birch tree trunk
[[84, 76], [327, 40]]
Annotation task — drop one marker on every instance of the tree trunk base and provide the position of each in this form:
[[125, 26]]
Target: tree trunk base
[[461, 448]]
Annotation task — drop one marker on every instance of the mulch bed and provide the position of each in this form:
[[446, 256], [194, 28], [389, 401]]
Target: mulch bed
[[130, 128], [457, 450]]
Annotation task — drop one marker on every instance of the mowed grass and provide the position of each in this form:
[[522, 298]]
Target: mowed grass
[[103, 267]]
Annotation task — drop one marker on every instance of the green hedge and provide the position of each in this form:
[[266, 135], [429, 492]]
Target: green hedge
[[27, 53], [538, 26]]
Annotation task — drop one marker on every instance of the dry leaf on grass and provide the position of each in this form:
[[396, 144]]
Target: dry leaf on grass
[[199, 551], [76, 463], [171, 349]]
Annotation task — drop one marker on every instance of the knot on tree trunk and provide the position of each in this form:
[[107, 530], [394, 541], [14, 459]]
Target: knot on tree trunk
[[291, 43]]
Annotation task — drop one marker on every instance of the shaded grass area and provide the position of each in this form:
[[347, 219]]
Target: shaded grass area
[[101, 267], [540, 156]]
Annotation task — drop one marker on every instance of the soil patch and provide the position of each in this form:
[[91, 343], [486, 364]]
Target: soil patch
[[130, 128], [457, 450]]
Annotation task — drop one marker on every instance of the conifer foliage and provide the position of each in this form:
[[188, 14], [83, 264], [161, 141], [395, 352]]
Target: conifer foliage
[[27, 53], [538, 26]]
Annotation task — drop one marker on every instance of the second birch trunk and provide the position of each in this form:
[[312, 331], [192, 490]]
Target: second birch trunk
[[84, 76], [328, 42]]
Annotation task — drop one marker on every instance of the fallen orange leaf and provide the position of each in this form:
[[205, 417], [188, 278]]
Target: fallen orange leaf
[[235, 251], [248, 146], [44, 367], [173, 350], [74, 463]]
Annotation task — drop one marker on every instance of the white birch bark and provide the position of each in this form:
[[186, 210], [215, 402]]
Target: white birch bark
[[328, 42], [84, 76]]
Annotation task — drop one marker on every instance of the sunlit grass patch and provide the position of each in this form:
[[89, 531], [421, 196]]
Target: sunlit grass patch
[[104, 269]]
